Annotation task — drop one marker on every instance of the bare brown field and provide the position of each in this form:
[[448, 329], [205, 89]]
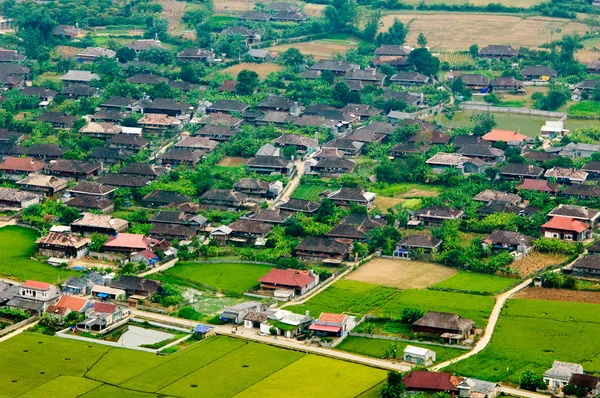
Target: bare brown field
[[457, 31], [587, 55], [312, 10], [67, 51], [401, 274], [384, 203], [536, 261], [232, 162], [574, 296], [320, 49], [262, 69], [172, 11]]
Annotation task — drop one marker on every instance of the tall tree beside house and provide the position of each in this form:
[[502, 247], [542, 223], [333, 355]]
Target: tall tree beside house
[[422, 40], [247, 82], [341, 93], [125, 54], [532, 381], [425, 63], [396, 34], [293, 58], [393, 387], [370, 31], [97, 241], [328, 76], [156, 27], [484, 123], [474, 50]]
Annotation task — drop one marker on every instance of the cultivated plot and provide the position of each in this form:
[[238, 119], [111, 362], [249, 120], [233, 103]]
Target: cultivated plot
[[473, 282]]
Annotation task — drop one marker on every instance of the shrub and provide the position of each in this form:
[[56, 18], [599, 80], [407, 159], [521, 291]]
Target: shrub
[[532, 381], [411, 315]]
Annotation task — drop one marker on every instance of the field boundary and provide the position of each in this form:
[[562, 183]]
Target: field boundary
[[392, 338], [519, 111], [17, 326]]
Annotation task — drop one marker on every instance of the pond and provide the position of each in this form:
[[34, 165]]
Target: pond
[[524, 124]]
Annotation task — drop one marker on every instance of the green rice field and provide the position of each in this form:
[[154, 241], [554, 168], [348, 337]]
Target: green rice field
[[309, 192], [531, 334], [17, 244], [35, 365], [473, 282]]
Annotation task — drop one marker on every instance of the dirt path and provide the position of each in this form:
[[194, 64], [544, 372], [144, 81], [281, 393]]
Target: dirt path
[[173, 11], [573, 296], [163, 267], [291, 186]]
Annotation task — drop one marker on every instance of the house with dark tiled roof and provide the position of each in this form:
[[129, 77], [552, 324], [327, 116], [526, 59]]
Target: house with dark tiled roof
[[160, 198], [251, 36], [62, 245], [179, 156], [490, 195], [332, 167], [322, 249], [74, 170], [43, 184], [484, 152], [91, 188], [91, 54], [92, 203], [116, 102], [566, 175], [498, 51], [128, 141], [517, 171], [506, 83], [249, 232], [301, 143], [227, 106], [475, 82], [276, 216], [144, 44], [354, 227], [134, 285], [289, 16], [347, 146], [352, 196], [366, 76], [539, 72], [110, 155], [68, 31], [581, 191], [223, 198], [196, 143], [277, 103], [196, 55], [147, 78], [252, 187], [339, 68], [124, 180], [271, 165], [411, 243], [76, 91], [168, 106], [79, 77], [11, 57], [434, 216], [300, 205], [15, 199], [409, 79], [587, 266], [57, 120], [216, 132], [172, 231], [441, 323], [509, 240]]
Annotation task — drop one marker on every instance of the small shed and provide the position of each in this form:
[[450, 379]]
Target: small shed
[[418, 355], [204, 330]]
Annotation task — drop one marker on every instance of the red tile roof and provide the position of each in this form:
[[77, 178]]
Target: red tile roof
[[566, 224], [131, 241], [22, 164], [503, 135], [422, 380], [538, 185], [325, 328], [72, 303], [37, 285], [148, 255], [105, 308], [287, 277], [331, 318]]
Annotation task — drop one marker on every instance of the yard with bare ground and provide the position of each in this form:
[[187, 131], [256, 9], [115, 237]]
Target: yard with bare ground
[[68, 51], [536, 261], [457, 31], [401, 274], [320, 49], [172, 11], [232, 161], [559, 295], [262, 69]]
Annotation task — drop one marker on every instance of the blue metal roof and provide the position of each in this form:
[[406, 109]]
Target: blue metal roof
[[202, 329]]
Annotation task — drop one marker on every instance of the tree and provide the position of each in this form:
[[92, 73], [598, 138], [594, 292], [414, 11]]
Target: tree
[[422, 40], [247, 82], [425, 63], [69, 214], [484, 123], [474, 50], [326, 211], [293, 58], [410, 315], [328, 76], [370, 31], [157, 56], [341, 93], [359, 250], [393, 387], [125, 54], [532, 381], [396, 34], [97, 241], [156, 27], [342, 16]]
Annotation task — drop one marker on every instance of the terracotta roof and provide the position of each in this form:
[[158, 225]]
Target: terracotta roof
[[104, 308], [37, 285], [133, 241], [566, 224], [425, 380], [22, 164], [72, 303], [288, 277], [503, 135], [538, 185], [331, 318]]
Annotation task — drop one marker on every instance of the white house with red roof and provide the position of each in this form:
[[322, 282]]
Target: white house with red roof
[[333, 325], [508, 136], [297, 281], [66, 305], [566, 228], [99, 316], [128, 243], [35, 296]]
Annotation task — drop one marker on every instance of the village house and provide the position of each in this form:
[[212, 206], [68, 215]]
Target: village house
[[539, 72], [124, 180], [299, 282], [43, 184], [99, 316], [91, 188], [108, 116], [498, 51], [160, 198], [172, 231], [196, 143], [333, 167], [125, 244], [66, 305], [338, 68], [179, 156], [271, 165], [147, 78], [227, 106], [8, 136], [352, 196], [284, 323], [100, 130], [168, 106], [575, 150], [509, 240], [332, 325], [483, 152], [393, 50], [366, 76], [147, 170], [409, 79], [249, 232], [67, 31], [251, 36], [98, 223], [581, 191], [431, 382], [269, 216], [434, 216], [57, 120], [236, 314], [34, 296], [128, 141], [517, 171], [158, 122], [92, 54], [587, 266], [586, 382], [419, 356], [506, 83], [416, 243], [442, 161], [196, 55], [11, 57], [289, 16], [581, 213], [144, 44], [512, 138], [354, 227], [566, 228], [299, 205], [490, 195], [322, 249], [349, 147], [450, 327], [107, 293], [118, 103], [301, 143], [78, 77], [216, 132], [74, 170], [15, 199], [539, 186], [252, 187], [76, 91], [136, 286], [91, 203], [44, 152], [560, 373], [475, 82], [63, 245], [223, 198]]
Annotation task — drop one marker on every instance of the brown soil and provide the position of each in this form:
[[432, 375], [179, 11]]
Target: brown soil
[[401, 274], [536, 261], [67, 51], [173, 12], [559, 295], [262, 69], [232, 162]]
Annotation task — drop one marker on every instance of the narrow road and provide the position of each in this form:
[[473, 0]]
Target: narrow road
[[521, 393], [18, 331], [292, 184], [247, 334], [160, 268]]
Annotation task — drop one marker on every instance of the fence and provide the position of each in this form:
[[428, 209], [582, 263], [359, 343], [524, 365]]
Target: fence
[[16, 326], [470, 106], [392, 338]]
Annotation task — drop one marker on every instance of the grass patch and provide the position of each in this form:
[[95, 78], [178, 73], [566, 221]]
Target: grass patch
[[114, 392], [355, 297], [249, 365], [231, 278], [309, 192], [472, 282], [405, 190], [377, 347], [585, 109], [17, 244], [336, 378], [63, 386], [531, 334]]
